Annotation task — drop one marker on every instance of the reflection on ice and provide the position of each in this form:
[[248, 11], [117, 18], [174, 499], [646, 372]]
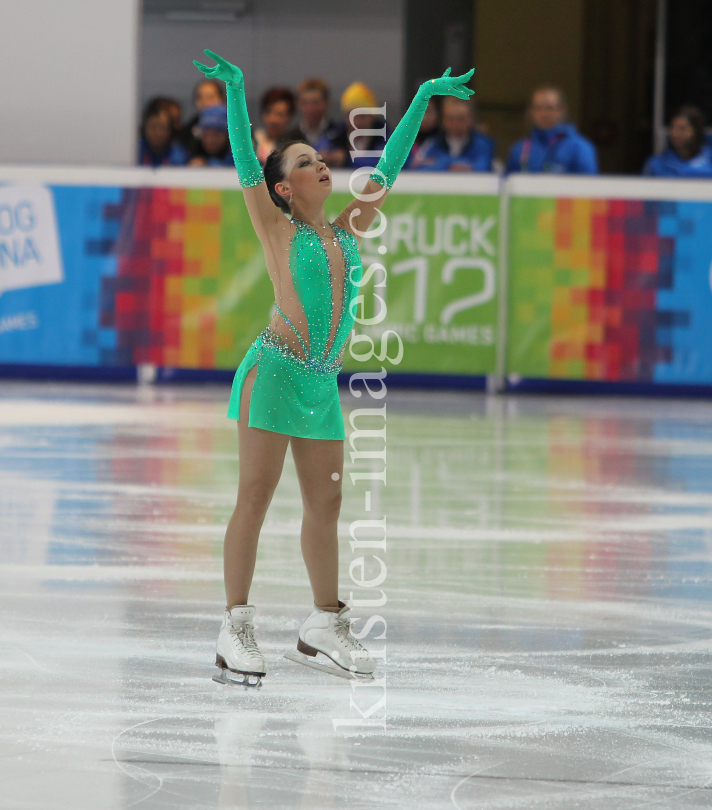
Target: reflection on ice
[[548, 609]]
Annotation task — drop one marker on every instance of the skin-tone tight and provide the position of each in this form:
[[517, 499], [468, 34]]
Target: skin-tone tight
[[262, 455]]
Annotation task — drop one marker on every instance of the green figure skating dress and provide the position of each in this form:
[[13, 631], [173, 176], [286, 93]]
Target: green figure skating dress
[[291, 394], [294, 394]]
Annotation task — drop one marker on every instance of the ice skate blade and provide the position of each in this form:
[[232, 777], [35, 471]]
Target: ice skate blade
[[300, 658], [227, 676]]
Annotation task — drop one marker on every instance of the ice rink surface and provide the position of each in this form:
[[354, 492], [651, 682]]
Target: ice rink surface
[[549, 609]]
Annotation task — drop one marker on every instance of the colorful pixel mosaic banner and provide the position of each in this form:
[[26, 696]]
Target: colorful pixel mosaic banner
[[598, 289], [615, 290], [176, 277]]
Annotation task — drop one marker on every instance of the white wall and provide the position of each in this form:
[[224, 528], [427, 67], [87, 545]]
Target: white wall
[[280, 43], [69, 81]]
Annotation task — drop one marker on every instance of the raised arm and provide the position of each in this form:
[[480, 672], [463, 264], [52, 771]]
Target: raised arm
[[263, 212], [359, 214]]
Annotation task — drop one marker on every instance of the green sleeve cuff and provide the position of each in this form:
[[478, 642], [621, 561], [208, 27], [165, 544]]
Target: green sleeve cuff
[[250, 172], [379, 177]]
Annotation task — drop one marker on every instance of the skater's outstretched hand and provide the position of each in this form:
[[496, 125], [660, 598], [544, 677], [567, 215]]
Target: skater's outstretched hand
[[448, 85], [359, 214], [264, 214], [231, 74]]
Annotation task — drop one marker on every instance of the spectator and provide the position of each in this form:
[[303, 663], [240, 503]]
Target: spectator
[[314, 125], [459, 147], [277, 107], [157, 146], [429, 128], [686, 154], [207, 93], [430, 125], [553, 145], [214, 140], [358, 95], [173, 109], [708, 143]]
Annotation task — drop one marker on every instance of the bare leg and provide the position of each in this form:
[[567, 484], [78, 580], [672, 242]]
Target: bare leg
[[261, 460], [317, 460]]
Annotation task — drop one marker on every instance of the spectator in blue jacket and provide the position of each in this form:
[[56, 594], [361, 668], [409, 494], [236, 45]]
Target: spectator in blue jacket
[[213, 142], [553, 144], [687, 153], [459, 147]]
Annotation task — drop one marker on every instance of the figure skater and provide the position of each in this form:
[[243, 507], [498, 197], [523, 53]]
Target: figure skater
[[285, 390]]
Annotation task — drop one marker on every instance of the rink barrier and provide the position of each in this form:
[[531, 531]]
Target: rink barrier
[[608, 280], [532, 385], [575, 283], [38, 371]]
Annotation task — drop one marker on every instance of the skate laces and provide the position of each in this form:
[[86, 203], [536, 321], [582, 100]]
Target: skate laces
[[342, 628], [244, 631]]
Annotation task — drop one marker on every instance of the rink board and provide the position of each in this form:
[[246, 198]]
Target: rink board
[[609, 280], [174, 276], [600, 279]]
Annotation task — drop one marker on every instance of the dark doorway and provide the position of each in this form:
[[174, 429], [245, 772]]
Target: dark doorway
[[438, 35], [618, 82], [689, 56]]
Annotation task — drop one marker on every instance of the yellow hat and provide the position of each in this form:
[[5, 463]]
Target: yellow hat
[[357, 95]]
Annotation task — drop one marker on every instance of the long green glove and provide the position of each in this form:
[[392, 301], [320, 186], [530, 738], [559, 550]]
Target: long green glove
[[238, 122], [400, 143]]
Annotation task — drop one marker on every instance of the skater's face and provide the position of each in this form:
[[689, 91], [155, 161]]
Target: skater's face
[[547, 109], [306, 176]]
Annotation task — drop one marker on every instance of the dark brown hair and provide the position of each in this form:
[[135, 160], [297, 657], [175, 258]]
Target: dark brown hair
[[159, 105], [694, 117], [274, 173], [275, 94]]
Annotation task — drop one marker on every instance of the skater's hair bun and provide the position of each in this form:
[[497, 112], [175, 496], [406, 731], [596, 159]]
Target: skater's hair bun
[[274, 173]]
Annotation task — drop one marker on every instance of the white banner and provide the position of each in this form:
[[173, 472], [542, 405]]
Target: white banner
[[29, 243]]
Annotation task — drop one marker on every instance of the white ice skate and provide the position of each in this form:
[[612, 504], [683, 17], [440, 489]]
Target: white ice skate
[[329, 633], [237, 654]]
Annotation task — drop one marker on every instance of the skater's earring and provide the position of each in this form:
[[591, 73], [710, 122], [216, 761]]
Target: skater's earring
[[291, 194]]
